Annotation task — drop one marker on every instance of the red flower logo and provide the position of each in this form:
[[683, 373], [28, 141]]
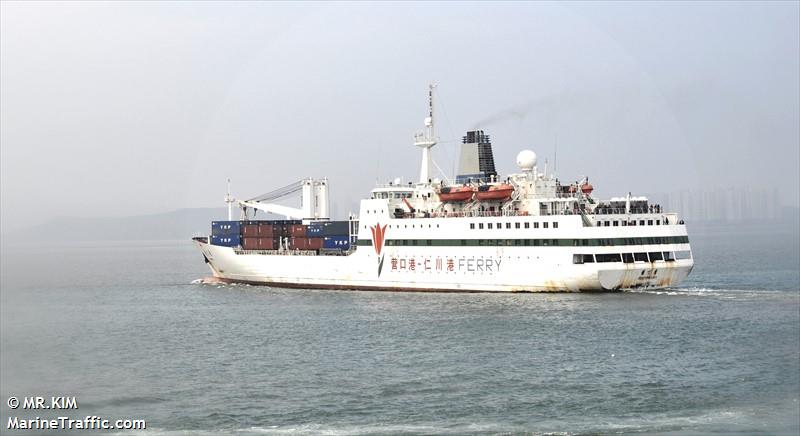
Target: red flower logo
[[378, 233]]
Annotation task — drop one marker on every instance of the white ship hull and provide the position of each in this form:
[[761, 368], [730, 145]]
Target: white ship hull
[[462, 269]]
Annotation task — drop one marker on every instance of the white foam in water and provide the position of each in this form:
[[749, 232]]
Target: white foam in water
[[729, 294]]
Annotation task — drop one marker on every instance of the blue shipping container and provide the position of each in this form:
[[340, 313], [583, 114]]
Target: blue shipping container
[[226, 241], [342, 242], [225, 228], [314, 229], [336, 228]]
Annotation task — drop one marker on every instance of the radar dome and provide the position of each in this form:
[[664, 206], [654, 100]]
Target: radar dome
[[526, 160]]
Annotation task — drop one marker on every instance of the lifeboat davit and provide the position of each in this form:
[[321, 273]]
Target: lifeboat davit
[[502, 191], [455, 193]]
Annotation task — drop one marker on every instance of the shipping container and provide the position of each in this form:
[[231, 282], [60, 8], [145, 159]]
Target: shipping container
[[314, 229], [265, 230], [225, 228], [225, 241], [298, 230], [335, 228], [342, 242], [298, 243], [250, 230], [314, 243], [250, 243], [267, 244]]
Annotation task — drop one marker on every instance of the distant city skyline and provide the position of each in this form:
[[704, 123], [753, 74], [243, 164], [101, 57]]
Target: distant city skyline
[[729, 204]]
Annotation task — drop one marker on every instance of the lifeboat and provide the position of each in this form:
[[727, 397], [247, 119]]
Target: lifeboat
[[455, 193], [502, 191], [587, 188]]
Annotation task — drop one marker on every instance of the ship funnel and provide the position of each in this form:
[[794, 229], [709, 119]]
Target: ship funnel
[[476, 161]]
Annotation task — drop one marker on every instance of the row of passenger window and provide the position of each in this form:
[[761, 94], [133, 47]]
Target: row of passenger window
[[499, 226], [616, 223], [597, 242], [652, 256]]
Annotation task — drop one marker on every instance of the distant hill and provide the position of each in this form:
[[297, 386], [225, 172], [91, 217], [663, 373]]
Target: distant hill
[[178, 224], [185, 223]]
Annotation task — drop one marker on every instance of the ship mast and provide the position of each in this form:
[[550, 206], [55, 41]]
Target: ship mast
[[230, 200], [426, 140]]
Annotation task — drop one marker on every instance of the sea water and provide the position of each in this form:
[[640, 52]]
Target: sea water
[[126, 329]]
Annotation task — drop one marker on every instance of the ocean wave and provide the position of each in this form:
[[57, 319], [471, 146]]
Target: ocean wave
[[739, 420], [219, 283], [727, 420], [727, 294], [355, 430]]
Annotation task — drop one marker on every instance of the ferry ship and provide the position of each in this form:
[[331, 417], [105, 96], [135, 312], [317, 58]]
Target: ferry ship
[[526, 232]]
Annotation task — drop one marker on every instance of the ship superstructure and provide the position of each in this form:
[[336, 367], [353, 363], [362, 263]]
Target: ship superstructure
[[526, 231]]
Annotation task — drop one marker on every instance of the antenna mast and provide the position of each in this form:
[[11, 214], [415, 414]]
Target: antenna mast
[[427, 139], [555, 155], [230, 200]]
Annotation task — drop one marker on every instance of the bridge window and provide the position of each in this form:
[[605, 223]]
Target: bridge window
[[683, 254], [655, 255], [627, 257], [668, 256], [640, 257]]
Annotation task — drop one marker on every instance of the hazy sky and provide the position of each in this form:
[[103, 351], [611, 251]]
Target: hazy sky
[[142, 107]]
